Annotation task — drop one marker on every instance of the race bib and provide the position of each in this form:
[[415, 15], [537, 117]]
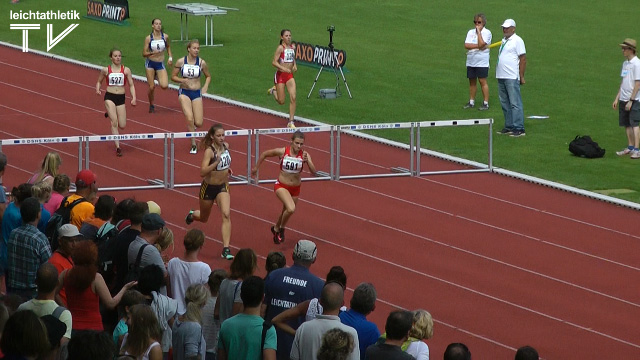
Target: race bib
[[116, 79], [289, 55], [292, 165], [157, 45], [225, 161], [190, 71]]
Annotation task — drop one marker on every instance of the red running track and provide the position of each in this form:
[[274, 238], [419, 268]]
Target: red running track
[[500, 263]]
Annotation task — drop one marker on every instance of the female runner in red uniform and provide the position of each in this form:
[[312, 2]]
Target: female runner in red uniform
[[190, 93], [287, 187], [284, 60], [155, 44], [214, 170], [117, 76]]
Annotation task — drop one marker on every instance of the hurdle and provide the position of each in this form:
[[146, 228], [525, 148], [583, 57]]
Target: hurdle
[[237, 179], [479, 167], [47, 141], [309, 129], [154, 183]]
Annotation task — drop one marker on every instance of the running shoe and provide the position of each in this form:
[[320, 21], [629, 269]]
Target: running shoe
[[226, 254], [118, 152], [635, 154], [484, 107], [281, 235], [517, 133], [152, 109], [625, 151], [505, 131], [194, 149], [271, 90], [468, 105], [291, 125], [275, 235], [189, 218]]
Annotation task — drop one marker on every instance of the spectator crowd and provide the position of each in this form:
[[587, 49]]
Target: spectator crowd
[[86, 277]]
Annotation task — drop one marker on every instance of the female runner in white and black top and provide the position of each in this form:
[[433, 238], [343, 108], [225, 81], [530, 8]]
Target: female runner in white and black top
[[214, 170], [117, 76], [187, 73]]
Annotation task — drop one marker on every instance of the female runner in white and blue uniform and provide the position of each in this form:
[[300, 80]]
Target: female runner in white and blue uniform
[[155, 44], [190, 68], [215, 170], [117, 76]]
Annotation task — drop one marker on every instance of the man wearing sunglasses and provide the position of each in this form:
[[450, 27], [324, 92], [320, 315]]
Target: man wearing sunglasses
[[477, 45]]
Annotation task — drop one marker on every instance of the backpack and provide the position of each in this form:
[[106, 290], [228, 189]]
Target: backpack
[[583, 146], [134, 270], [58, 218], [106, 241]]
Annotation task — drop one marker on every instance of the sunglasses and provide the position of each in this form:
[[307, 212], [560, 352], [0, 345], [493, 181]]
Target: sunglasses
[[477, 22]]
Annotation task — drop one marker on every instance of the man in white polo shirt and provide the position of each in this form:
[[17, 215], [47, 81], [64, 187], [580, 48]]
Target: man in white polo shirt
[[477, 45], [512, 62]]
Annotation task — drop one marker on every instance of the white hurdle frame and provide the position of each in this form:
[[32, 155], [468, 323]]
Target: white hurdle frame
[[308, 129], [45, 141], [353, 130], [124, 137], [470, 122], [240, 179]]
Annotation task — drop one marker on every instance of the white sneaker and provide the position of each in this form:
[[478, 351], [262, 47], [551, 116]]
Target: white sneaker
[[622, 152], [291, 125], [635, 154], [194, 149]]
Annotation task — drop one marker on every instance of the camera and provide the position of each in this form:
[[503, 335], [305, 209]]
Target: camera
[[331, 28]]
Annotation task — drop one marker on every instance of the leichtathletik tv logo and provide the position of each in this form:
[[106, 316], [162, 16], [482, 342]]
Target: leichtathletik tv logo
[[43, 16]]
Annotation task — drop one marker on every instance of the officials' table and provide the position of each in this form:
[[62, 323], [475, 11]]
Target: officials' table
[[198, 9]]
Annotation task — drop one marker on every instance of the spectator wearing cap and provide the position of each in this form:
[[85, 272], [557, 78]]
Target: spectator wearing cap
[[286, 287], [363, 302], [628, 99], [45, 304], [512, 62], [85, 188], [308, 339], [68, 234], [152, 225], [27, 249]]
